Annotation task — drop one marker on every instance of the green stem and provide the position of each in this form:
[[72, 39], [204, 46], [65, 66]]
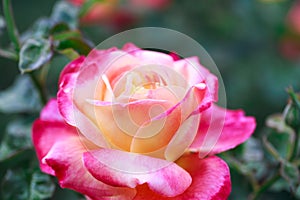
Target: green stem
[[296, 145], [39, 88], [295, 121], [8, 54], [270, 148], [265, 186], [10, 23]]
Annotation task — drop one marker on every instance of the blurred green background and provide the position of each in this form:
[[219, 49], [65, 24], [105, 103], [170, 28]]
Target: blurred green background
[[242, 36]]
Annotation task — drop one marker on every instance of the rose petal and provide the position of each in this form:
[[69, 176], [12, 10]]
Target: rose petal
[[211, 180], [195, 73], [136, 102], [126, 169], [65, 98], [211, 177], [147, 74], [90, 130], [153, 58], [83, 84], [147, 57], [121, 122], [190, 105], [60, 151], [90, 84], [130, 47], [73, 115], [72, 67], [196, 100], [183, 138], [42, 135], [222, 129], [43, 139], [50, 112]]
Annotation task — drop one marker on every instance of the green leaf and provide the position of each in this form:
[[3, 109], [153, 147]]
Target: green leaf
[[297, 193], [281, 142], [20, 184], [69, 53], [253, 157], [16, 139], [59, 28], [40, 29], [14, 185], [41, 186], [78, 44], [66, 35], [21, 97], [281, 135], [19, 157], [34, 53], [292, 111], [280, 185], [69, 42], [65, 12], [291, 174]]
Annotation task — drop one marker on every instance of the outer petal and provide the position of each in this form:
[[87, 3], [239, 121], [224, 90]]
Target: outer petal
[[60, 151], [163, 177], [72, 67], [72, 114], [42, 132], [211, 177], [222, 129], [50, 112], [43, 139], [147, 57], [211, 180]]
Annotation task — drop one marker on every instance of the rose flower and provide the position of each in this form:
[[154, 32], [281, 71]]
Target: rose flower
[[136, 124]]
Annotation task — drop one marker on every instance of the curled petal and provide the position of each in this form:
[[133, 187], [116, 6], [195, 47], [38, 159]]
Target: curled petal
[[196, 100], [221, 129], [130, 47], [65, 98], [211, 180], [72, 67], [130, 170], [195, 73], [43, 139]]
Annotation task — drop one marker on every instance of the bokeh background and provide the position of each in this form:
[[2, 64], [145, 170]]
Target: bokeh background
[[246, 39]]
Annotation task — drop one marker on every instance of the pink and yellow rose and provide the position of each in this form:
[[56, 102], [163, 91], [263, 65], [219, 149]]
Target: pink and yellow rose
[[137, 124]]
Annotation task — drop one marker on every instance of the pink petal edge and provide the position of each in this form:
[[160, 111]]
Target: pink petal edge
[[60, 149], [130, 170], [222, 129], [211, 180]]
